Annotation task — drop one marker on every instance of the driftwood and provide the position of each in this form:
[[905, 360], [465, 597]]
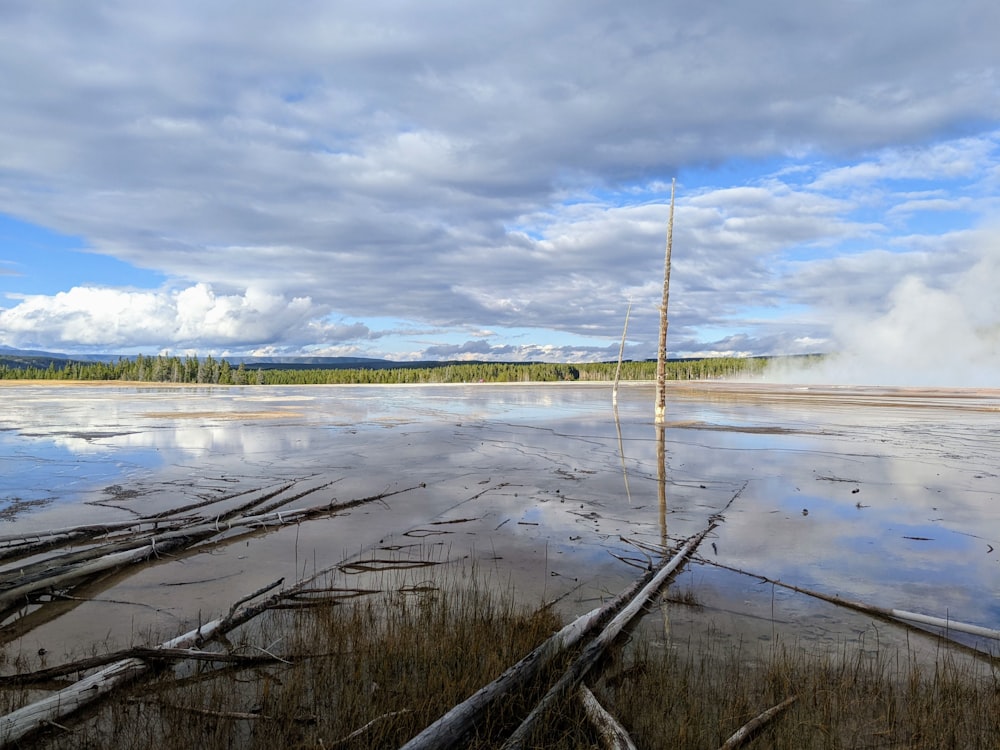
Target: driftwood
[[595, 649], [746, 732], [613, 734], [451, 729], [901, 614]]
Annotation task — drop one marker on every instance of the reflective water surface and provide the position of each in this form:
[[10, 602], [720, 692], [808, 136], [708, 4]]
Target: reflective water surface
[[887, 496]]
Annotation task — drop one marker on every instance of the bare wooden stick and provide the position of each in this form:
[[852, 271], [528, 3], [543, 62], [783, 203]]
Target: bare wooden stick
[[361, 730], [236, 715], [613, 735], [743, 735]]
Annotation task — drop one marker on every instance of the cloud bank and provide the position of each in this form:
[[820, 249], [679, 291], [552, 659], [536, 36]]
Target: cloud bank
[[435, 181]]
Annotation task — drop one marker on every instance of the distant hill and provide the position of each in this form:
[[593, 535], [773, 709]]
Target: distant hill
[[9, 353]]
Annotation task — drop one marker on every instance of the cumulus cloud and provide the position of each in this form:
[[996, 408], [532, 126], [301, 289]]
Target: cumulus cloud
[[95, 318]]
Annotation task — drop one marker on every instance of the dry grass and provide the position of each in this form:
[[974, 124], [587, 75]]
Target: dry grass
[[399, 660], [373, 673], [853, 699]]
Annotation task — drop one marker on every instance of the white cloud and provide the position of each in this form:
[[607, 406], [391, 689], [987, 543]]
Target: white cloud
[[94, 317], [958, 158]]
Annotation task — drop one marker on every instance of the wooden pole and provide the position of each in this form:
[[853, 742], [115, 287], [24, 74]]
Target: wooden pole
[[660, 411], [621, 353]]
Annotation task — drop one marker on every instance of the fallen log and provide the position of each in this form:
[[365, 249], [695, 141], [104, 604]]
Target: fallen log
[[83, 565], [595, 649], [944, 623], [613, 734], [66, 575], [452, 728], [22, 722], [159, 653]]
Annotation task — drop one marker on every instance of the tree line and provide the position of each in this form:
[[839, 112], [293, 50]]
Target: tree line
[[212, 371]]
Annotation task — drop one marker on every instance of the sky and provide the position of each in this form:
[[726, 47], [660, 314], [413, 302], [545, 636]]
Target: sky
[[455, 180]]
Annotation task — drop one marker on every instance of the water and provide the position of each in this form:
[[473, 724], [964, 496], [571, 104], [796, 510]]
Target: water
[[885, 496]]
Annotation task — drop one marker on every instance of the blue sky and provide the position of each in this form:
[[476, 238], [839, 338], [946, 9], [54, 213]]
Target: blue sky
[[440, 182]]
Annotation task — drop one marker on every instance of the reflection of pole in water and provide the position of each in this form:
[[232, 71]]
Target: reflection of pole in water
[[661, 481], [661, 486]]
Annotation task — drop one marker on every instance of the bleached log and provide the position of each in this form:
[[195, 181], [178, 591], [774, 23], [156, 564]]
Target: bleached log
[[593, 651], [34, 716], [102, 528], [449, 730], [71, 574], [96, 561], [945, 623], [613, 735], [159, 653]]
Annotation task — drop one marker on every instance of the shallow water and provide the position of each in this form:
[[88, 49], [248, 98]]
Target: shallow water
[[881, 495]]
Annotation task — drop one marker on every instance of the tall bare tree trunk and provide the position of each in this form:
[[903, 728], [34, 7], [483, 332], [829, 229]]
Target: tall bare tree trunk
[[621, 353], [660, 411]]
